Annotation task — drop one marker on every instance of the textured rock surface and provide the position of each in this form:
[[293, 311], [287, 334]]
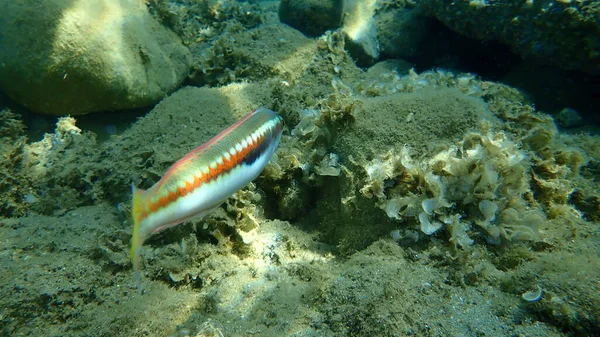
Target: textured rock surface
[[79, 56], [564, 33], [360, 31], [355, 19], [312, 17], [403, 32]]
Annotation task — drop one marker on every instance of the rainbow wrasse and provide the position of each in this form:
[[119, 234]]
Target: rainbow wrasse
[[205, 177]]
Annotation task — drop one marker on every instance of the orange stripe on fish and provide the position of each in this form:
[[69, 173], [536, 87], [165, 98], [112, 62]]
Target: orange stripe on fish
[[205, 177]]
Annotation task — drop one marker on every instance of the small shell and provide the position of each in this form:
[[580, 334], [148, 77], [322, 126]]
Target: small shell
[[533, 295]]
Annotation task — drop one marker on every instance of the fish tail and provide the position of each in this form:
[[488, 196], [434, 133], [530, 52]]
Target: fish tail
[[136, 239]]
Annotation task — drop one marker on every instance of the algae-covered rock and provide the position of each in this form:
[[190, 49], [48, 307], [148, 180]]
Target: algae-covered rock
[[241, 55], [355, 18], [427, 118], [79, 56], [14, 187], [312, 17], [403, 33], [360, 31], [563, 33], [199, 21]]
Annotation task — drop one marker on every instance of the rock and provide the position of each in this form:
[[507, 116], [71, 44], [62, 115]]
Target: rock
[[354, 17], [384, 68], [312, 17], [563, 33], [404, 32], [360, 31], [78, 56], [569, 118]]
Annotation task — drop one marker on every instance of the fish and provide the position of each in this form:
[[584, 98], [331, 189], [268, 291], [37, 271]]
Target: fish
[[205, 177]]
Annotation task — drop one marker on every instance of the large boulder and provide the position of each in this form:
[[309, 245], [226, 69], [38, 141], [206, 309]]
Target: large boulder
[[354, 17], [79, 56], [312, 17], [563, 33]]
